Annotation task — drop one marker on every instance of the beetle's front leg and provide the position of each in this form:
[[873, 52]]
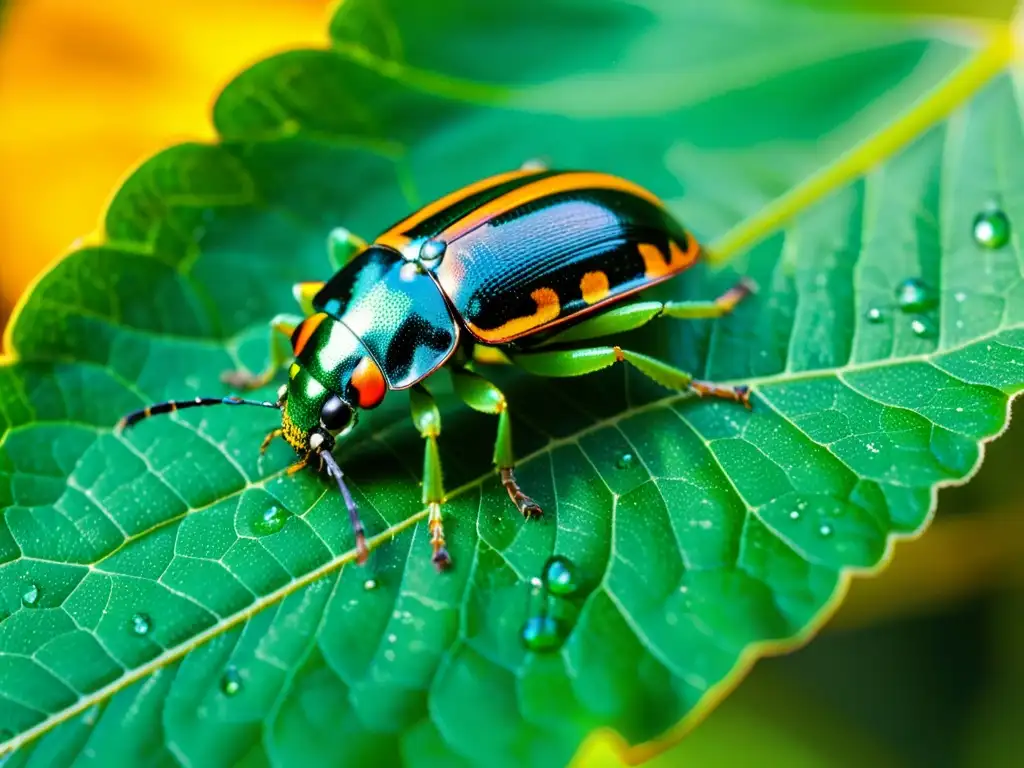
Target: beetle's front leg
[[427, 419], [281, 329], [480, 395], [342, 247]]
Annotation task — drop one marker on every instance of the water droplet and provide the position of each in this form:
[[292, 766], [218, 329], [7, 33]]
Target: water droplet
[[874, 315], [914, 295], [370, 584], [141, 624], [922, 327], [230, 682], [991, 229], [825, 530], [542, 633], [960, 296], [794, 515], [625, 461], [272, 520], [560, 576], [30, 595]]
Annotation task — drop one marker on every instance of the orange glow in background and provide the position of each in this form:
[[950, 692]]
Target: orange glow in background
[[88, 90]]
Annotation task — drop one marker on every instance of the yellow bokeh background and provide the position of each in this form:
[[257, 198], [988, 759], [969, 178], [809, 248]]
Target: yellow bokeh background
[[88, 90]]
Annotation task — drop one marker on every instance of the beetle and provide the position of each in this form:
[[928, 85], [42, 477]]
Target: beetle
[[524, 268]]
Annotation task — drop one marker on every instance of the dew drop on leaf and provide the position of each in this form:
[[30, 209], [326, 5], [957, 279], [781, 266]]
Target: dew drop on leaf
[[542, 633], [874, 315], [625, 461], [141, 624], [825, 530], [914, 295], [991, 229], [560, 576], [30, 595], [794, 515], [922, 327], [370, 584], [272, 520], [230, 682]]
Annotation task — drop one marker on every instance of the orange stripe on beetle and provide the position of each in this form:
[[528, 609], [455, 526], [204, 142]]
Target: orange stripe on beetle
[[548, 309], [369, 383], [656, 265], [305, 332], [396, 237], [551, 185], [594, 286]]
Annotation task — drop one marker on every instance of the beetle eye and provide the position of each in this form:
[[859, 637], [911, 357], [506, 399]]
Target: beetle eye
[[336, 414]]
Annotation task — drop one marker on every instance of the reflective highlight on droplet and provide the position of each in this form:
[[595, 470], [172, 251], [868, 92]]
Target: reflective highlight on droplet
[[991, 229], [30, 595], [141, 624], [874, 315], [625, 461], [560, 576], [370, 584], [272, 520], [914, 295], [230, 682], [543, 633], [922, 327], [825, 530]]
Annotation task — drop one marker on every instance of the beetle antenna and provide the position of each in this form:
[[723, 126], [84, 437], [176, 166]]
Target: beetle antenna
[[362, 551], [177, 405]]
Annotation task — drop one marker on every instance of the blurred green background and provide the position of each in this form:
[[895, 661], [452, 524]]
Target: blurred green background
[[922, 666]]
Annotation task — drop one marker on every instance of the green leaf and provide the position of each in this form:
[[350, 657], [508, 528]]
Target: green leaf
[[758, 122]]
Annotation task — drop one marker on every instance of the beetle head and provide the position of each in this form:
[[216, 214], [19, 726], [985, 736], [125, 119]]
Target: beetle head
[[312, 416], [332, 378]]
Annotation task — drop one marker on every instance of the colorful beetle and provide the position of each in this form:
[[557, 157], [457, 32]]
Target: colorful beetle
[[518, 268]]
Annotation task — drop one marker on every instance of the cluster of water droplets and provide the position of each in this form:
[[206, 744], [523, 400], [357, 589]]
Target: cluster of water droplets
[[548, 619], [825, 530], [991, 230]]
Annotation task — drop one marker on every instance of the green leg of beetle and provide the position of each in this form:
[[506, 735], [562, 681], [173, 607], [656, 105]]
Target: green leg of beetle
[[633, 316], [281, 329], [342, 247], [304, 293], [579, 362], [480, 395], [427, 419]]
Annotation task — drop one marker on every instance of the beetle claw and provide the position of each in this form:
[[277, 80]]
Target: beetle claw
[[442, 560]]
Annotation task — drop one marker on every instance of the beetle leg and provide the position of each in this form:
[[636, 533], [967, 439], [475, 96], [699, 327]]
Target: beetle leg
[[427, 419], [271, 436], [480, 395], [304, 293], [342, 247], [300, 465], [281, 329], [633, 316], [579, 362]]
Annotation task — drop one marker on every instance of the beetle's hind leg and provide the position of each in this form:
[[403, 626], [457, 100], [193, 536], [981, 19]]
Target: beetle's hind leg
[[580, 362], [480, 395], [281, 329], [632, 316], [427, 419]]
